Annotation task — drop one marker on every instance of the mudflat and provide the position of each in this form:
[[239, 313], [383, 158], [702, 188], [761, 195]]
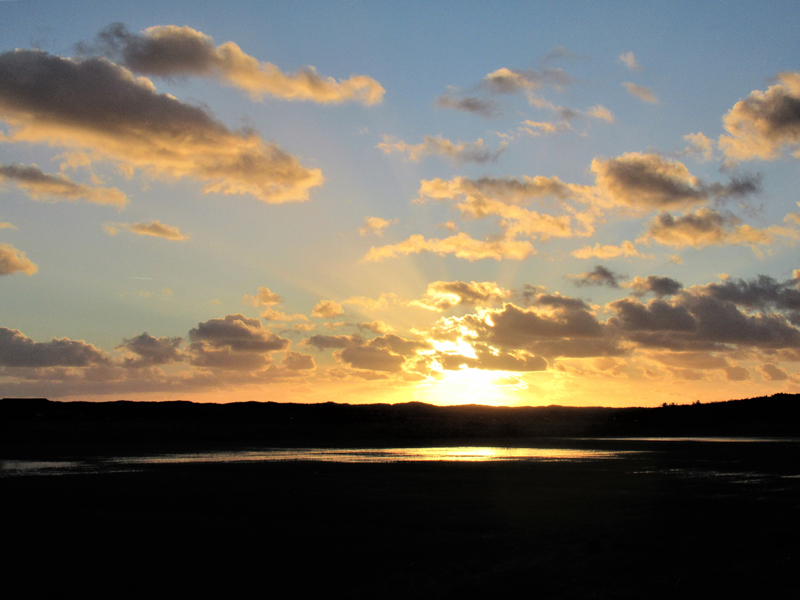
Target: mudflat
[[673, 519]]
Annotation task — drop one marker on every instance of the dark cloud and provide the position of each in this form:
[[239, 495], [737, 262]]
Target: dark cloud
[[765, 123], [470, 104], [385, 353], [657, 315], [650, 181], [771, 372], [553, 326], [707, 227], [371, 358], [237, 333], [654, 284], [695, 321], [322, 342], [170, 50], [38, 184], [151, 351], [101, 109], [295, 361], [18, 350], [600, 275], [762, 292]]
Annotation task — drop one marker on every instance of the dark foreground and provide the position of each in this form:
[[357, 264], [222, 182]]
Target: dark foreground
[[687, 520]]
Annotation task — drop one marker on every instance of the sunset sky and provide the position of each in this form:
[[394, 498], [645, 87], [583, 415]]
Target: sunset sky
[[512, 204]]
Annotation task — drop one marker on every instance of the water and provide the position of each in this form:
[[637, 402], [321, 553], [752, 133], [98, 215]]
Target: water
[[342, 455], [728, 453]]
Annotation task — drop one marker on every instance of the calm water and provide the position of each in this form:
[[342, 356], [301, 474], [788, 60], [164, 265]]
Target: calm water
[[643, 446], [344, 455]]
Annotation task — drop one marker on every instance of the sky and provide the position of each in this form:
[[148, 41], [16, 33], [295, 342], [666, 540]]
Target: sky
[[455, 202]]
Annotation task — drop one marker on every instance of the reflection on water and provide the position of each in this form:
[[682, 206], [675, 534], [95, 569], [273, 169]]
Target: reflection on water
[[343, 455]]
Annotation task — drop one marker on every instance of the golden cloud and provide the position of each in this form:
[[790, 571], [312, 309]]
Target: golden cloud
[[152, 229], [39, 185], [765, 123], [460, 245], [100, 108], [169, 50], [15, 261]]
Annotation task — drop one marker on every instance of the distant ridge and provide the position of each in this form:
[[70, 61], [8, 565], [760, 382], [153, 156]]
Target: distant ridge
[[33, 426]]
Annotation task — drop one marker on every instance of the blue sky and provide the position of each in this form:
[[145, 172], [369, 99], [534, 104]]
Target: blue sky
[[398, 262]]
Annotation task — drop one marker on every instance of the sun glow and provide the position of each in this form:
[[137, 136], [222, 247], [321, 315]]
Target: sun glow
[[472, 386]]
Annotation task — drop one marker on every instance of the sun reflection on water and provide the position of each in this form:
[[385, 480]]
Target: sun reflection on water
[[342, 455]]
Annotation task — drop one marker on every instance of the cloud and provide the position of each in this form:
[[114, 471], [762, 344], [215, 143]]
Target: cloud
[[626, 249], [383, 302], [378, 327], [707, 227], [149, 351], [642, 93], [535, 128], [693, 320], [100, 108], [554, 326], [270, 314], [654, 284], [7, 226], [600, 112], [599, 276], [736, 373], [459, 153], [565, 113], [323, 342], [153, 229], [443, 295], [763, 293], [699, 146], [237, 333], [771, 372], [460, 245], [508, 189], [386, 353], [170, 50], [375, 225], [559, 52], [470, 104], [18, 350], [39, 185], [264, 298], [650, 181], [764, 124], [326, 309], [15, 261], [502, 197], [296, 361], [507, 81], [629, 60], [486, 359], [233, 342]]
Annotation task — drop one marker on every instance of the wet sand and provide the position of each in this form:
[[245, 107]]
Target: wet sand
[[688, 520]]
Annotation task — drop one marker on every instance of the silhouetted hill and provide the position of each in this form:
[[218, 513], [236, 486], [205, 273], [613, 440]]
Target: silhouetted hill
[[40, 426]]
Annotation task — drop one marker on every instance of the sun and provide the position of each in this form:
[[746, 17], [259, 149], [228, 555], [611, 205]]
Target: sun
[[471, 386]]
